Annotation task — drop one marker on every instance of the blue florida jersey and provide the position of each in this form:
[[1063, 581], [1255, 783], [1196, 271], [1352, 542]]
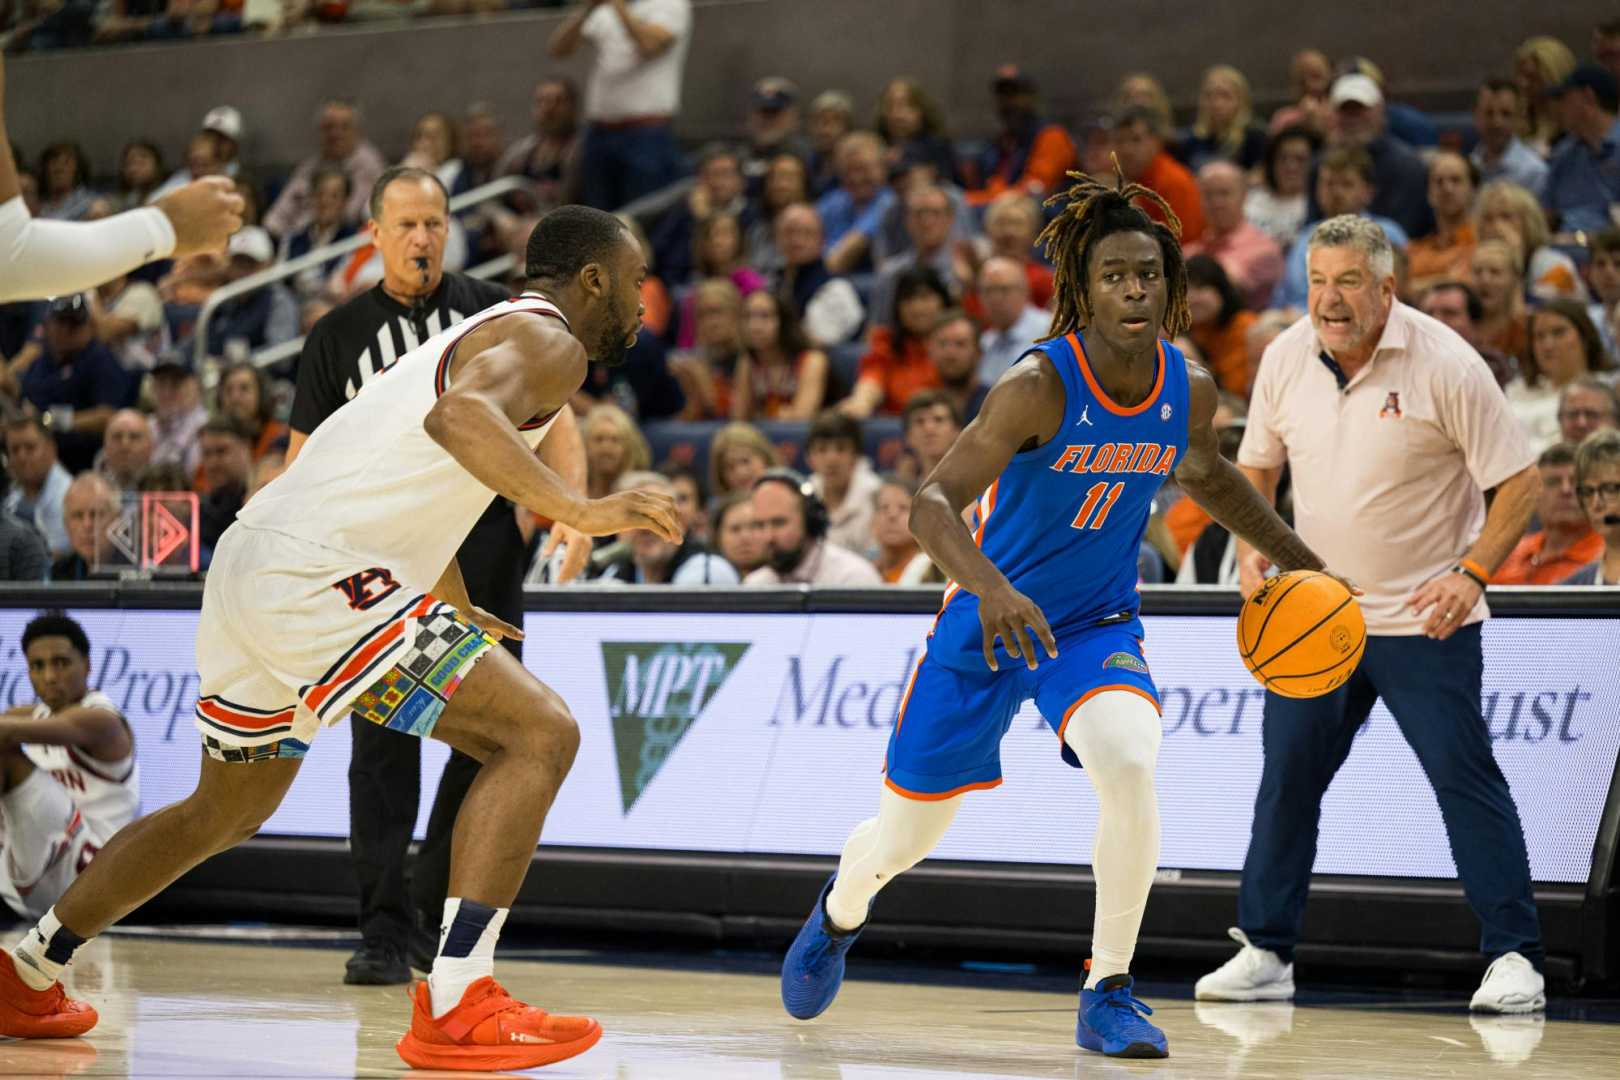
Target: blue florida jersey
[[1064, 521]]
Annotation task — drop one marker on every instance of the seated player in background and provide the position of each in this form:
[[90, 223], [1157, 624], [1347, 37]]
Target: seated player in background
[[67, 763]]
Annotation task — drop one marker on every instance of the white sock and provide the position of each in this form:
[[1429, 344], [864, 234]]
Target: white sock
[[1116, 736], [466, 950], [904, 831], [44, 951]]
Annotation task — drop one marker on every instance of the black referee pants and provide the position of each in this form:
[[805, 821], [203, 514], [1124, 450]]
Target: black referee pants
[[385, 768]]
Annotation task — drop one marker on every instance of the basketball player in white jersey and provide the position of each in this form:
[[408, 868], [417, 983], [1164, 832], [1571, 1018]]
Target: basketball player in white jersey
[[67, 764], [336, 593]]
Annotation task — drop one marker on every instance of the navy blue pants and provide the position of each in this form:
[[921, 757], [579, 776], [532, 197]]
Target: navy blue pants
[[1433, 690], [620, 165]]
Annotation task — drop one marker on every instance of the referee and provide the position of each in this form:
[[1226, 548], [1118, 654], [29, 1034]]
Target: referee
[[351, 345]]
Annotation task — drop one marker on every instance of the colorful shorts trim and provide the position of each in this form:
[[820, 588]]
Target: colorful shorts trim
[[411, 694]]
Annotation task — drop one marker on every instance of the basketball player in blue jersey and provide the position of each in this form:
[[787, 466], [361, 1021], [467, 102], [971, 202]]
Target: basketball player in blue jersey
[[1063, 461]]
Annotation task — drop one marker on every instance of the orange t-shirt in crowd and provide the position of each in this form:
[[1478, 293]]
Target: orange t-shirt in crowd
[[268, 434], [1226, 351], [1176, 186], [1524, 566], [1512, 340], [1432, 259], [1185, 519], [900, 374], [657, 304], [1050, 159]]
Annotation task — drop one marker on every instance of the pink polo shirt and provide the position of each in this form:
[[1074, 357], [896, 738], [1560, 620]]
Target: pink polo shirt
[[1388, 472], [1250, 258]]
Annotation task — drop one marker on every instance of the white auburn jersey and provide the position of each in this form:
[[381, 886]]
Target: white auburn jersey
[[106, 793], [371, 484]]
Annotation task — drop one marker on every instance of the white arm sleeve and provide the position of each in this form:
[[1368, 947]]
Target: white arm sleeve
[[49, 258]]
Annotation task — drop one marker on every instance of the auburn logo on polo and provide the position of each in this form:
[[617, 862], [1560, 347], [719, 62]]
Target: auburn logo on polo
[[1142, 457], [656, 691]]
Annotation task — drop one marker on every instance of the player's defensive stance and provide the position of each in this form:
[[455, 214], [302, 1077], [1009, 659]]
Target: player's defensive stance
[[1064, 460], [337, 593]]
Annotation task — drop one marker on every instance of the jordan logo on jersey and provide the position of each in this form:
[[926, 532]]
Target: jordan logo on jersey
[[1084, 418], [1142, 457]]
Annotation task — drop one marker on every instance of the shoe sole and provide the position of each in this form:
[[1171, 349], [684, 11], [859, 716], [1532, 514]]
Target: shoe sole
[[1134, 1050], [1245, 996], [421, 1055], [1518, 1009], [16, 1024]]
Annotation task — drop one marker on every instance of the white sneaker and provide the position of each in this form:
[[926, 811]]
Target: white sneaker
[[1511, 985], [1254, 974]]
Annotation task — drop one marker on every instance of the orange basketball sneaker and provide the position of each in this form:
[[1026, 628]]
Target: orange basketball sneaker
[[26, 1013], [490, 1031]]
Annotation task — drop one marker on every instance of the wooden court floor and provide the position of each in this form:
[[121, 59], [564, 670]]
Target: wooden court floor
[[185, 1009]]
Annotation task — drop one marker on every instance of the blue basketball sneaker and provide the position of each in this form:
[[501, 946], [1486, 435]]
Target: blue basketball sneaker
[[1112, 1022], [813, 969]]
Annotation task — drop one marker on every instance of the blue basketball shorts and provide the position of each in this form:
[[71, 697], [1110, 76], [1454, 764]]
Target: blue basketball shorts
[[947, 737]]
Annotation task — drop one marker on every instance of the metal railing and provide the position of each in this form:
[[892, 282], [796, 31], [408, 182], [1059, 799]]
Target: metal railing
[[281, 271]]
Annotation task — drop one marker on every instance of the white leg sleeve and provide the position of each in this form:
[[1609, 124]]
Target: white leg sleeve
[[904, 831], [1116, 736]]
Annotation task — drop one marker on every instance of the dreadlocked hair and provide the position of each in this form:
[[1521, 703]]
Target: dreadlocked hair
[[1095, 210]]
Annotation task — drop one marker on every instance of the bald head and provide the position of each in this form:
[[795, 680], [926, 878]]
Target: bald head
[[89, 506], [1004, 290], [1222, 186], [798, 234], [127, 447]]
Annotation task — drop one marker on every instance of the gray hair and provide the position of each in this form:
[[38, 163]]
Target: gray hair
[[1602, 447], [1363, 234], [1592, 382]]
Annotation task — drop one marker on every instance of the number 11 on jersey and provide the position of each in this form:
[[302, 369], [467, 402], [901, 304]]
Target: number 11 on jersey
[[1094, 495]]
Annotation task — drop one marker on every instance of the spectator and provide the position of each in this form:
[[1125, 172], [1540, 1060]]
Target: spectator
[[433, 147], [897, 365], [227, 465], [717, 250], [735, 537], [642, 557], [126, 451], [1225, 129], [911, 122], [1583, 174], [794, 525], [1139, 90], [1344, 185], [128, 317], [1497, 280], [953, 349], [1603, 273], [75, 381], [23, 556], [264, 317], [1139, 144], [1220, 325], [178, 415], [1510, 213], [1278, 206], [1445, 254], [1310, 77], [708, 371], [1212, 558], [826, 305], [842, 479], [1566, 541], [330, 188], [739, 454], [39, 483], [1606, 46], [718, 190], [213, 151], [1564, 345], [613, 447], [929, 218], [89, 509], [1597, 486], [64, 182], [1499, 117], [1011, 223], [780, 375], [689, 500], [244, 394], [1030, 154], [265, 470], [1585, 405], [773, 125], [1012, 323], [140, 172], [929, 425], [1398, 179], [832, 116], [632, 94], [483, 148], [1252, 260], [852, 213], [1540, 64], [785, 183], [1456, 304], [899, 560], [341, 146], [549, 156]]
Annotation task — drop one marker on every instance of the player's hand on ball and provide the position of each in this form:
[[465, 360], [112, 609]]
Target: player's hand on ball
[[498, 629], [204, 214], [650, 510], [1009, 615], [1252, 567]]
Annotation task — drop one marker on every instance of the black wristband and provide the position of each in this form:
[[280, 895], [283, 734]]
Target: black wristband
[[1461, 569]]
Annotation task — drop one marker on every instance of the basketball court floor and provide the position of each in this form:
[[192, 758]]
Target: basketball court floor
[[265, 1009]]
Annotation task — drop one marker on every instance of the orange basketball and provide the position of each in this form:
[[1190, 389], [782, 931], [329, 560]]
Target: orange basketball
[[1301, 634]]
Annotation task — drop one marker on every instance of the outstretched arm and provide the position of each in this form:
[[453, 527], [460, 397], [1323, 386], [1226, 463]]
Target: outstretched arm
[[98, 731], [1025, 407], [1216, 484]]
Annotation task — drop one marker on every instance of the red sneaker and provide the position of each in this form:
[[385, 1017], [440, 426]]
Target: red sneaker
[[26, 1013], [490, 1031]]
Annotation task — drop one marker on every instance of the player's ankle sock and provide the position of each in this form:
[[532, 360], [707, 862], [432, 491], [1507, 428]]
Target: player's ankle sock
[[1098, 969], [44, 951], [466, 950]]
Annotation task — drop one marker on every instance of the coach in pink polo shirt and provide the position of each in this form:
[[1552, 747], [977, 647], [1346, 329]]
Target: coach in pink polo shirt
[[1394, 429]]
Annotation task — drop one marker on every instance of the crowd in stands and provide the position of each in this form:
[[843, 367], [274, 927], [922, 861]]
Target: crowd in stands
[[839, 267]]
